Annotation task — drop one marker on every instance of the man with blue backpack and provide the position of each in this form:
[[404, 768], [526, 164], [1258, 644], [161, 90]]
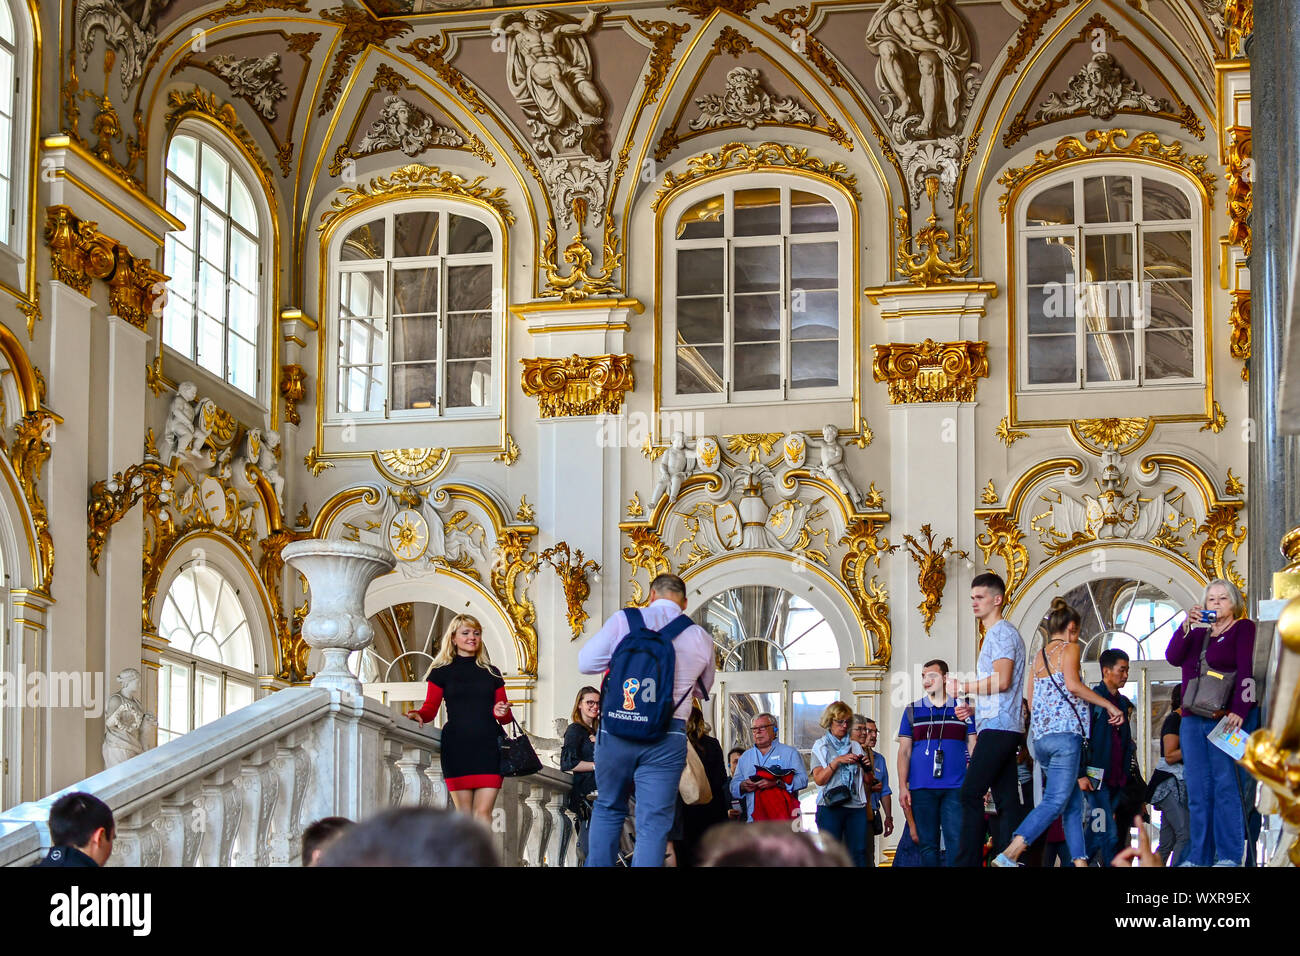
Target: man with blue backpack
[[654, 659]]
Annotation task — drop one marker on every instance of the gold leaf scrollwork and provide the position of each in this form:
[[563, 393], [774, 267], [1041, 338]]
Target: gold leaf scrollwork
[[648, 553], [572, 571], [1218, 420], [989, 495], [111, 499], [929, 268], [315, 464], [634, 507], [1239, 177], [578, 385], [1005, 539], [1239, 340], [932, 575], [1221, 534], [1239, 23], [738, 156], [701, 9], [753, 444], [511, 559], [288, 633], [1114, 433], [293, 388], [932, 371], [509, 454], [581, 283], [154, 379], [1006, 434], [29, 453], [1233, 485], [415, 179], [199, 100], [1105, 142], [80, 253], [869, 595], [525, 511], [794, 24]]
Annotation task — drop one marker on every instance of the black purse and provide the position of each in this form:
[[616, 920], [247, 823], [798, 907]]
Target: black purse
[[518, 758]]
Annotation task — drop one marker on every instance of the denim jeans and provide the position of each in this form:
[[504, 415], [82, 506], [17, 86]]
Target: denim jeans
[[1058, 755], [851, 826], [1101, 834], [655, 770], [1214, 800], [933, 810]]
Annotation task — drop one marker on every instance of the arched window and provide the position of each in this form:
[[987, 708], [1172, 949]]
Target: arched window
[[417, 314], [214, 310], [207, 669], [1110, 263], [752, 281]]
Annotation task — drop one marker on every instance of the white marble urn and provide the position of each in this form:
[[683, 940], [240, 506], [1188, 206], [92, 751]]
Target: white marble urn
[[337, 573]]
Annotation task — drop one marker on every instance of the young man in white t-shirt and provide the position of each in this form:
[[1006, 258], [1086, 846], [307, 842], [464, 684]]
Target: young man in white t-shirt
[[999, 722]]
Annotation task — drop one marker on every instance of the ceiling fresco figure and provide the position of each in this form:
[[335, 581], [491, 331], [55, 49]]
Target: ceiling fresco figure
[[924, 52]]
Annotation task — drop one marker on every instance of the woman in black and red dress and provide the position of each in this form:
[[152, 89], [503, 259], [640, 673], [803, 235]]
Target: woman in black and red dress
[[476, 702]]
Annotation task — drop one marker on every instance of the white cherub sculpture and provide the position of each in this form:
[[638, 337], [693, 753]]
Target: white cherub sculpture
[[269, 465], [178, 433], [673, 467], [832, 466]]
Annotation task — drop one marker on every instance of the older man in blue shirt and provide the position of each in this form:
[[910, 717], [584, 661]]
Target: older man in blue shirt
[[767, 752]]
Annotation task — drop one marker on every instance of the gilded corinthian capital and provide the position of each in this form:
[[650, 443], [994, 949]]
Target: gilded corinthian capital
[[932, 371]]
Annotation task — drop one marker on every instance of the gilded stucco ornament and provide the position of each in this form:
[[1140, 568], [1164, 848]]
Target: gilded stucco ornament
[[1239, 340], [647, 553], [932, 575], [359, 31], [1239, 20], [1006, 434], [578, 385], [1005, 539], [932, 371], [764, 156], [1239, 175], [293, 649], [1217, 422], [293, 388], [200, 101], [416, 179], [315, 464], [572, 570], [944, 258], [864, 546], [29, 452], [511, 560], [510, 453], [1116, 434], [80, 253], [581, 282]]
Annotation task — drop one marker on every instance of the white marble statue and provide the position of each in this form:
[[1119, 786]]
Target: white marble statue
[[125, 720], [833, 469], [269, 465], [673, 467], [924, 52], [179, 432]]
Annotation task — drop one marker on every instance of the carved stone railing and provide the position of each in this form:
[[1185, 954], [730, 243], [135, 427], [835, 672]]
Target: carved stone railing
[[240, 791]]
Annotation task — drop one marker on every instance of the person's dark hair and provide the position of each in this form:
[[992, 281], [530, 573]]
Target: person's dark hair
[[1176, 697], [768, 844], [990, 580], [665, 584], [941, 664], [1060, 617], [413, 836], [1110, 657], [320, 833], [75, 817], [740, 751]]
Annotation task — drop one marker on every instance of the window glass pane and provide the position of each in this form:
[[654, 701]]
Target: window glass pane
[[469, 335], [415, 338], [243, 312], [757, 367], [806, 709], [469, 288], [364, 242], [1050, 308], [212, 236], [178, 324], [1169, 304], [1052, 207], [243, 365], [1109, 357], [207, 698], [214, 172], [810, 212], [178, 262], [814, 364], [212, 289], [699, 272], [243, 259], [6, 83], [1049, 259], [6, 23], [415, 290], [699, 370], [758, 212], [815, 315], [181, 158], [174, 700], [416, 234], [1052, 359], [466, 235], [4, 204], [699, 321], [704, 220], [1108, 199], [1169, 354], [1108, 258], [469, 384], [237, 695], [1105, 306], [1161, 200], [242, 209], [361, 293], [756, 269], [415, 386], [180, 203], [1167, 255], [212, 336], [814, 265], [757, 319]]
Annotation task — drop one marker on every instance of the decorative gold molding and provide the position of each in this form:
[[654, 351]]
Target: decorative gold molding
[[1239, 22], [648, 553], [1278, 768], [581, 283], [293, 387], [1070, 149], [1221, 533], [634, 507], [510, 560], [154, 378], [737, 157], [1233, 485], [510, 453], [1006, 434], [293, 650], [1031, 28], [29, 453], [931, 576], [702, 9], [112, 498], [989, 495], [812, 48], [1119, 434], [1003, 537], [1239, 174], [572, 571], [525, 511], [577, 385], [80, 253], [315, 464], [869, 595], [200, 101], [410, 464], [931, 371], [432, 52], [359, 30], [1239, 340], [415, 179], [1218, 420], [752, 444], [930, 268]]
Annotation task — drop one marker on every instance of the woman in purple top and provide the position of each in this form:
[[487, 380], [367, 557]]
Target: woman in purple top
[[1215, 802]]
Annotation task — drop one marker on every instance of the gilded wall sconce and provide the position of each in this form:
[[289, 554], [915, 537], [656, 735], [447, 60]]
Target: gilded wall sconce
[[931, 575], [572, 571]]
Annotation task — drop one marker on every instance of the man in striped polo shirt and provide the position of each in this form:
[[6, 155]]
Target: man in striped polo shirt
[[933, 748]]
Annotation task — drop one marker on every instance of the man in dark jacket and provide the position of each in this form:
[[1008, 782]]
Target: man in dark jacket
[[81, 831], [1109, 759]]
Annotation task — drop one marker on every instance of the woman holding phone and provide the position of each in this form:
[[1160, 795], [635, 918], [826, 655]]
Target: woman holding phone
[[475, 694], [1215, 647]]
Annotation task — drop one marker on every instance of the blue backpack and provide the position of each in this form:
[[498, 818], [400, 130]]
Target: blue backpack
[[636, 699]]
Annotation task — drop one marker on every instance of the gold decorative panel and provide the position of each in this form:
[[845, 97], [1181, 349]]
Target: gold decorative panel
[[80, 253], [578, 385], [293, 386], [932, 371], [736, 157], [1239, 175]]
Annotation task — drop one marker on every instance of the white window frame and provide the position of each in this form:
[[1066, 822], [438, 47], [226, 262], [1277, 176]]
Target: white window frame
[[387, 213], [264, 239], [19, 159], [1195, 224], [671, 246]]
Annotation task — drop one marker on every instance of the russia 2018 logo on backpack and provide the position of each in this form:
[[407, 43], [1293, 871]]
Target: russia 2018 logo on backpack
[[629, 693]]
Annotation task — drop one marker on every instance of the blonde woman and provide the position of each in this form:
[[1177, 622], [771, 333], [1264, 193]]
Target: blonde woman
[[838, 764], [476, 701]]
